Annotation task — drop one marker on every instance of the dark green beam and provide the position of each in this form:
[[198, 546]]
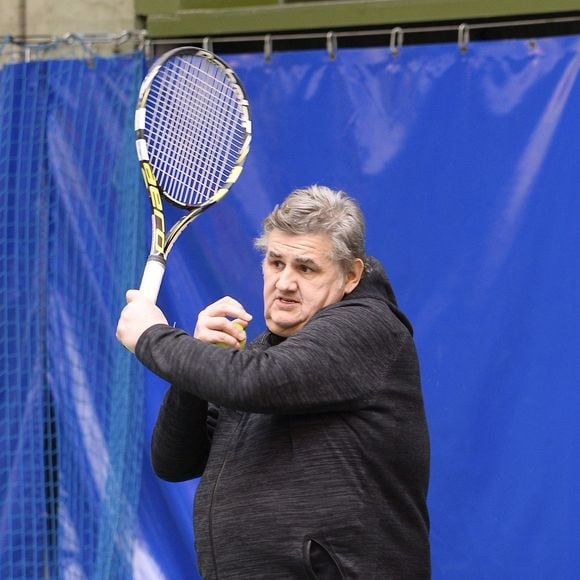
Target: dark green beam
[[145, 7], [203, 18]]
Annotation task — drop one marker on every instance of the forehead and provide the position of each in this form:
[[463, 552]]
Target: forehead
[[315, 246]]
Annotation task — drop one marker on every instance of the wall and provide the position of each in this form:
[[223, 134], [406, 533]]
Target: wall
[[59, 17]]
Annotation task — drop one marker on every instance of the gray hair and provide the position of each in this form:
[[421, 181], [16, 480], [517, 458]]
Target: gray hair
[[319, 209]]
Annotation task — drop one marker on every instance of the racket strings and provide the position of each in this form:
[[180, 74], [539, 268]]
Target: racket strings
[[210, 153], [186, 110], [218, 165], [196, 131], [174, 161], [196, 121]]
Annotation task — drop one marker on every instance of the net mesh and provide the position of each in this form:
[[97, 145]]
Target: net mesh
[[71, 238], [195, 128]]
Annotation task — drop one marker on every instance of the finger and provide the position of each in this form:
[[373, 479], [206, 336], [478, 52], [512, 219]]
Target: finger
[[206, 322], [236, 340], [132, 295], [220, 330], [228, 307], [226, 340], [237, 330], [209, 326]]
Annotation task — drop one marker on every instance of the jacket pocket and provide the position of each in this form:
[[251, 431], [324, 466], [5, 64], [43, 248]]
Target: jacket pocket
[[321, 561]]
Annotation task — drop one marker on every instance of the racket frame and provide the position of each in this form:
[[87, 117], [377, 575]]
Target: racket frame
[[161, 240]]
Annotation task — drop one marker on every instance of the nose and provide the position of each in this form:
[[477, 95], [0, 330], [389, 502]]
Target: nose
[[286, 281]]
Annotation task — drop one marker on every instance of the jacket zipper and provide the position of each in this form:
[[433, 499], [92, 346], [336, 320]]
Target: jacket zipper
[[213, 493]]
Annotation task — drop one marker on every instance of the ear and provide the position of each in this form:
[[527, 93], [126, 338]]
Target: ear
[[353, 276]]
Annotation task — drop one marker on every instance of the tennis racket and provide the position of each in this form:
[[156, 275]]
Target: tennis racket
[[193, 132]]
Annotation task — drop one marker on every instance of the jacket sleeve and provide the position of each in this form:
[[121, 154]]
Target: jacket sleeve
[[180, 442], [335, 362]]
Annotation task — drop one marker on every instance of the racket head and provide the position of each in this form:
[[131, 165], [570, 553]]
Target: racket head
[[193, 128]]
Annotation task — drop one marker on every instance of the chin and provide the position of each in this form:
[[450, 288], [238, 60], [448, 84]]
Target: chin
[[284, 330]]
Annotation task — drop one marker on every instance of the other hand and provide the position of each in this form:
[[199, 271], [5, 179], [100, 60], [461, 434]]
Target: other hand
[[220, 323]]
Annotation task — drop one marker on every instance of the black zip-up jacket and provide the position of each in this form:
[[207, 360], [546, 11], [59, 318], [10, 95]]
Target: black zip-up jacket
[[314, 453]]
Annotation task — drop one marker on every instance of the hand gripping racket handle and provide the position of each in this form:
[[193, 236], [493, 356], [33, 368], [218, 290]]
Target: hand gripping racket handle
[[152, 277]]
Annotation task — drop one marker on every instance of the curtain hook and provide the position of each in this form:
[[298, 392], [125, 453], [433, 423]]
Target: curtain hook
[[331, 45], [463, 37], [268, 48], [396, 41]]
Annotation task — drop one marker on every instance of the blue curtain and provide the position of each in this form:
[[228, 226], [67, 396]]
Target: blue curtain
[[465, 165]]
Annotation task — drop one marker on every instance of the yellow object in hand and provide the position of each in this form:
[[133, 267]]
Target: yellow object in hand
[[242, 343]]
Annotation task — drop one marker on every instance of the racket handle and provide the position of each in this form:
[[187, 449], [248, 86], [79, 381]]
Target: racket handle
[[152, 277]]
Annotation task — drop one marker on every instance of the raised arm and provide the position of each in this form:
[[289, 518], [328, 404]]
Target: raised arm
[[318, 369]]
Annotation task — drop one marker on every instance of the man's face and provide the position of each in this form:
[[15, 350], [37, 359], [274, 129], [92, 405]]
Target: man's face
[[300, 278]]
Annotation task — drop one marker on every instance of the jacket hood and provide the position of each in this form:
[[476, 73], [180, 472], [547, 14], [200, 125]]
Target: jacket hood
[[375, 284]]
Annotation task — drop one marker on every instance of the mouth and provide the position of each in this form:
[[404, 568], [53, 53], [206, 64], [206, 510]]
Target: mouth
[[285, 301]]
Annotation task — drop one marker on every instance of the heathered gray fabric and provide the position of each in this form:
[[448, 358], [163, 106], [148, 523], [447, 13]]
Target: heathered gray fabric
[[321, 436]]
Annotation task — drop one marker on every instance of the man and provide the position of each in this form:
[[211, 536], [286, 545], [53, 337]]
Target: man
[[311, 443]]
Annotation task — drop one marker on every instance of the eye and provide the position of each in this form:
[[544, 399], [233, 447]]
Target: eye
[[305, 269]]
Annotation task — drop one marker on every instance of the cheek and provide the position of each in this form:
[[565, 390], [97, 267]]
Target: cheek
[[269, 288], [316, 297], [331, 294]]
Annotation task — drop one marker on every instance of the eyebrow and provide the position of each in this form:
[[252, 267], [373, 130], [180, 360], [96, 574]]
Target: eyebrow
[[304, 260]]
